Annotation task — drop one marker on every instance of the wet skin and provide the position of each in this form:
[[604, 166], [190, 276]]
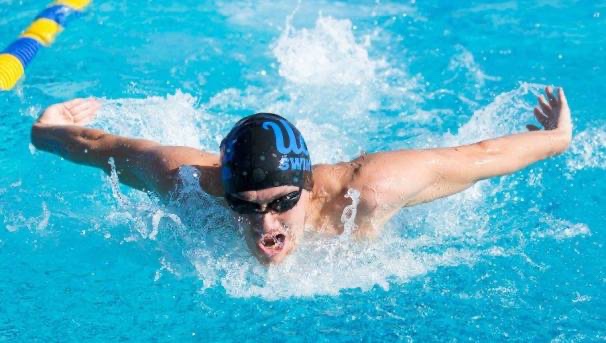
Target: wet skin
[[387, 181]]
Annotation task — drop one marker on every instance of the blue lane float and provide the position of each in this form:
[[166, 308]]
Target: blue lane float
[[25, 49], [57, 13], [41, 33]]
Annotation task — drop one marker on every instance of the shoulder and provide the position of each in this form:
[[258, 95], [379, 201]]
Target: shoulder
[[381, 179], [333, 179], [331, 183], [164, 163], [331, 196]]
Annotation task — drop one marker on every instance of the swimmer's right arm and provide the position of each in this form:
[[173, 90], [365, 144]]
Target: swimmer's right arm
[[140, 163]]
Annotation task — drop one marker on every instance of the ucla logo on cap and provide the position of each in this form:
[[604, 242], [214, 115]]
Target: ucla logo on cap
[[295, 146]]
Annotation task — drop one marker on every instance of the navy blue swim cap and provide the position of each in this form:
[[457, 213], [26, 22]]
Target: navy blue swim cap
[[264, 150]]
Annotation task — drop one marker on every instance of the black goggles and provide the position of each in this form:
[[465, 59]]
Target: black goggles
[[279, 205]]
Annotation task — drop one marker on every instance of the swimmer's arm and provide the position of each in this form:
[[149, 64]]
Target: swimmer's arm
[[140, 163], [404, 178]]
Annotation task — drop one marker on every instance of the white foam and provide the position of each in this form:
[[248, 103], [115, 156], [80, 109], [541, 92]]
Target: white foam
[[171, 120], [328, 54], [588, 150], [559, 229], [328, 71]]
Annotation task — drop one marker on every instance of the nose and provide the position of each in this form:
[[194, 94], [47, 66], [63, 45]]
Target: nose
[[269, 222]]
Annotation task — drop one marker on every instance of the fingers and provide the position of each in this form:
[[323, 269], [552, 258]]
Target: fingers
[[552, 99], [82, 105], [87, 112], [541, 117], [552, 112], [544, 105], [73, 103]]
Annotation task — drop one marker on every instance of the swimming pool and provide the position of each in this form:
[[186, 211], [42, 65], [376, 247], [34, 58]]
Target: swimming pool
[[515, 258]]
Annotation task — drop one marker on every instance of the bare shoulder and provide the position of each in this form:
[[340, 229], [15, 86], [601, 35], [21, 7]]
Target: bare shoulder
[[332, 180], [386, 182], [162, 164]]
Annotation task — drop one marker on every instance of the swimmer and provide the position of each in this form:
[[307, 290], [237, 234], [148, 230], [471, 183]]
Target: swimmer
[[265, 176]]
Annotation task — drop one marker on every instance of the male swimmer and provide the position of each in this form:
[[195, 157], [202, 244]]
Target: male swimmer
[[264, 171]]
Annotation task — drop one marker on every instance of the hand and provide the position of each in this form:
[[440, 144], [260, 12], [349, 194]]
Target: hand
[[74, 112], [554, 115]]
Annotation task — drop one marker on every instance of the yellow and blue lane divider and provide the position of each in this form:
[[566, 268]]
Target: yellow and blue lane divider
[[41, 33]]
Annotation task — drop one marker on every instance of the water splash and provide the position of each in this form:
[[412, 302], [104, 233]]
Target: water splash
[[19, 220], [348, 217], [170, 120], [197, 236], [509, 112], [115, 183], [326, 55], [559, 229], [339, 116], [588, 150]]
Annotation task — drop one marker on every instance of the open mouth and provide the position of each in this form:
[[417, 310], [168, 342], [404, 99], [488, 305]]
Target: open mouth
[[272, 244]]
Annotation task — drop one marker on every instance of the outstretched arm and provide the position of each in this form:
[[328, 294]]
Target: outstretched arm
[[391, 180], [140, 163]]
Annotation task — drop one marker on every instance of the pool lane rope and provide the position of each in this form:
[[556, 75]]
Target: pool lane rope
[[41, 33]]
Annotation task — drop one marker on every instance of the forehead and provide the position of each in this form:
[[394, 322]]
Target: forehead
[[266, 194]]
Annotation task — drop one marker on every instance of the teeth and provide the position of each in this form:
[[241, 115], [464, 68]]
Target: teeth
[[276, 241]]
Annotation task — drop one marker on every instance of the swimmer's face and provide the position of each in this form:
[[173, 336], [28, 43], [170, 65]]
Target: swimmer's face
[[273, 235]]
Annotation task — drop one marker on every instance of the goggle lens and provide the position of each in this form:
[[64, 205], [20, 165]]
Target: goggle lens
[[279, 205]]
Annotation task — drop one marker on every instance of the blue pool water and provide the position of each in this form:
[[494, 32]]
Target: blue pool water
[[514, 258]]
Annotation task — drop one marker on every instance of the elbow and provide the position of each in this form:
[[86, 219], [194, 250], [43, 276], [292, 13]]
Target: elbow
[[484, 152], [485, 148]]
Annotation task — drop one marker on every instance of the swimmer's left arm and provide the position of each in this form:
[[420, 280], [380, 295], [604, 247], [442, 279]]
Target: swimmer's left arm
[[403, 178]]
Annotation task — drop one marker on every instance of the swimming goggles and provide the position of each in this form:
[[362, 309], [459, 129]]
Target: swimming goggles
[[279, 205]]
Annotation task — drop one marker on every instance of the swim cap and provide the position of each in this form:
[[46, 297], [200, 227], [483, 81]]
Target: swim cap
[[264, 150]]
